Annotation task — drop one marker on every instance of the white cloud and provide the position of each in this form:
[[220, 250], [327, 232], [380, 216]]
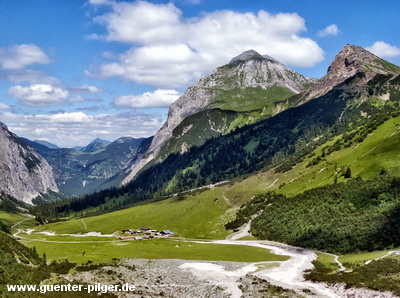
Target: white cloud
[[87, 89], [78, 128], [4, 106], [331, 30], [31, 76], [158, 98], [384, 50], [170, 51], [39, 94], [142, 22], [163, 66], [75, 117], [20, 56]]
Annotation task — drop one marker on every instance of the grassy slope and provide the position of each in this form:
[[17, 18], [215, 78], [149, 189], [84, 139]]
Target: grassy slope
[[251, 98], [379, 149], [152, 249], [197, 216], [11, 219], [18, 265]]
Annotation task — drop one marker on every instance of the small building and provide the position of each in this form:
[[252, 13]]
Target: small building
[[138, 238], [167, 233], [132, 231], [144, 229], [126, 237]]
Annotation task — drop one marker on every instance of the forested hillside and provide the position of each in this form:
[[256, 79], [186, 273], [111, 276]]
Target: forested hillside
[[278, 142], [341, 218]]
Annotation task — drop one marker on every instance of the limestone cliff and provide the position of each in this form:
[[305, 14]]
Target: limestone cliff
[[24, 174]]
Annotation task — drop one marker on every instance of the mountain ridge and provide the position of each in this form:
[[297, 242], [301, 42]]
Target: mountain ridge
[[80, 172], [247, 71], [349, 61]]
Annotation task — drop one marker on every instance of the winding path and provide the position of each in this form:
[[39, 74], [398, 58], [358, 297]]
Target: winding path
[[20, 222]]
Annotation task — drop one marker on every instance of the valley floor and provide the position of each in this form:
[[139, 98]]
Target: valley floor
[[279, 273]]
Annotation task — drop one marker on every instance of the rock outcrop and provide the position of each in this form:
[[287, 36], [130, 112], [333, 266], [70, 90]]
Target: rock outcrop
[[348, 62], [24, 174], [250, 69]]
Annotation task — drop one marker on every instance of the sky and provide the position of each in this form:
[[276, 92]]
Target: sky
[[74, 70]]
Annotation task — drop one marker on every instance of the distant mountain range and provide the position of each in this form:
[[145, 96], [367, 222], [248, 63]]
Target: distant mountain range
[[84, 171]]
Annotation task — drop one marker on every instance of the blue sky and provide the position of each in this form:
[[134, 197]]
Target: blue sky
[[71, 71]]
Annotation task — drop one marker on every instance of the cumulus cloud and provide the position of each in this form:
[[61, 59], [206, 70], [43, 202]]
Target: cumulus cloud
[[384, 50], [158, 98], [87, 89], [168, 50], [331, 30], [78, 128], [20, 56], [39, 94], [48, 94], [142, 22]]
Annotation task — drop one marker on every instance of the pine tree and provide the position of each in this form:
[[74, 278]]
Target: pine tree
[[347, 174]]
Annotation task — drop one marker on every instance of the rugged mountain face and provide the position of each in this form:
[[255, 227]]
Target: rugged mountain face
[[348, 62], [79, 172], [24, 174], [248, 82]]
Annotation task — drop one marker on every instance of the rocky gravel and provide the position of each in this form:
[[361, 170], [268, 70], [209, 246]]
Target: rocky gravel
[[156, 278]]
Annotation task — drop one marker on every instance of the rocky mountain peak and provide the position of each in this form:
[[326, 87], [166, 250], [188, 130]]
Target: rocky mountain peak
[[246, 56], [248, 70], [352, 59], [348, 62]]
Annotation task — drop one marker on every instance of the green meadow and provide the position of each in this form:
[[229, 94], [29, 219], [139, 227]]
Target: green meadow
[[104, 252], [11, 219], [201, 215], [352, 260]]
